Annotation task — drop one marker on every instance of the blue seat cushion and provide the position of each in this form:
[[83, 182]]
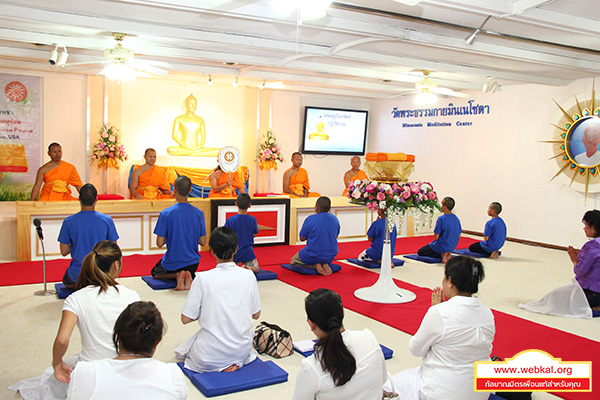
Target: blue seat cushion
[[309, 271], [158, 284], [387, 352], [61, 291], [263, 275], [371, 264], [467, 252], [428, 260], [256, 374]]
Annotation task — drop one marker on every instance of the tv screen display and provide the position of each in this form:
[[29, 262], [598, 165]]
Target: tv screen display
[[334, 131]]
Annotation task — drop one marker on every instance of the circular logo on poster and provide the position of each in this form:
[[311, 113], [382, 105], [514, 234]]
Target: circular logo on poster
[[15, 91]]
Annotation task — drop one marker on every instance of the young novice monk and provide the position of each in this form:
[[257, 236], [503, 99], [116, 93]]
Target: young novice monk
[[321, 231], [295, 179], [494, 234], [223, 300], [376, 234], [246, 228], [446, 234]]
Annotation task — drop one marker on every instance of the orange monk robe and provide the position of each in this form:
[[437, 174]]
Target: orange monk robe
[[57, 181], [237, 181], [298, 182], [360, 175], [150, 181]]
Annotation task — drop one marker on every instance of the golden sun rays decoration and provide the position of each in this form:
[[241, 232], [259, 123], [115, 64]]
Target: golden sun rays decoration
[[575, 144]]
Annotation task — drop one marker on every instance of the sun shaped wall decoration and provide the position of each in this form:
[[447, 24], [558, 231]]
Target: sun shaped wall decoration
[[576, 144]]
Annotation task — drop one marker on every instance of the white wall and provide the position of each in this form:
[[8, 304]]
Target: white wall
[[498, 158], [325, 172]]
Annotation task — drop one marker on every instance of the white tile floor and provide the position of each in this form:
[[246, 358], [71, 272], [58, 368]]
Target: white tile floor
[[523, 273]]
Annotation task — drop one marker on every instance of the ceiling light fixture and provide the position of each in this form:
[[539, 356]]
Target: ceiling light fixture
[[262, 85], [494, 87], [53, 56], [473, 36], [490, 85], [235, 83], [307, 10], [62, 58], [209, 81], [119, 71], [426, 98]]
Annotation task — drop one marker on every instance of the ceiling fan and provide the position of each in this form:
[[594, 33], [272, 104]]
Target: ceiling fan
[[428, 86], [122, 64]]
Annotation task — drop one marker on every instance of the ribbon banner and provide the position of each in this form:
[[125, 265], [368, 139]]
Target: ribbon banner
[[20, 133]]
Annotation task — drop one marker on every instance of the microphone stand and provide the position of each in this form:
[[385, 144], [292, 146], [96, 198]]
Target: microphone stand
[[44, 292]]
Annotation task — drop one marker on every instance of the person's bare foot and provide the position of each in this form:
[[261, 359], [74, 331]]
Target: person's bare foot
[[446, 257], [495, 254], [327, 269], [180, 280], [323, 269], [231, 368], [187, 279], [596, 308]]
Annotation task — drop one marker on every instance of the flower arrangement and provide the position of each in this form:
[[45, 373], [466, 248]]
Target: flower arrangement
[[269, 152], [107, 150], [418, 198]]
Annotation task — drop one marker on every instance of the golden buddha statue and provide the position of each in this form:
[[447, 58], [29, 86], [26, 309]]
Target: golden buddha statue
[[320, 133], [189, 133]]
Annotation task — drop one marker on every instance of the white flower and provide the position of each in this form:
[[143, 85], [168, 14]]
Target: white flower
[[426, 187]]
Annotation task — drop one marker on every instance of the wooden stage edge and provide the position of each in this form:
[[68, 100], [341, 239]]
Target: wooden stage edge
[[356, 218]]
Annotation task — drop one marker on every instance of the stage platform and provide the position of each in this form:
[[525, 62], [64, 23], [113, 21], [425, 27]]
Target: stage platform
[[135, 221]]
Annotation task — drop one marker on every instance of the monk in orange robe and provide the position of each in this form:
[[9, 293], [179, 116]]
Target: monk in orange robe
[[149, 181], [353, 174], [56, 175], [295, 179], [224, 185]]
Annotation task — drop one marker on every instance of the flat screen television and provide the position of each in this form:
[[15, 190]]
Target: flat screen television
[[334, 131]]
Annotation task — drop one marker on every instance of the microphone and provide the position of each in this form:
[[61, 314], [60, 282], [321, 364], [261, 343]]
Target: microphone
[[38, 228]]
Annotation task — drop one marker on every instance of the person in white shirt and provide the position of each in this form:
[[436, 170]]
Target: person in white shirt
[[452, 336], [94, 308], [224, 301], [133, 373], [346, 364]]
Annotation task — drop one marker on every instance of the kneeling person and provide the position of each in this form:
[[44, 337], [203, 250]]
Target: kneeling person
[[494, 234], [181, 227], [224, 301], [246, 228], [376, 235], [320, 231], [446, 234]]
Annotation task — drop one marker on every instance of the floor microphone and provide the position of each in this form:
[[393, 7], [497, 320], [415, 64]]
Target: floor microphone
[[38, 227]]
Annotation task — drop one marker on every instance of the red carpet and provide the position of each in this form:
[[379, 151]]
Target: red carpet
[[513, 334], [22, 273]]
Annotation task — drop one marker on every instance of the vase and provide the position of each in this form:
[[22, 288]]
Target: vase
[[385, 290]]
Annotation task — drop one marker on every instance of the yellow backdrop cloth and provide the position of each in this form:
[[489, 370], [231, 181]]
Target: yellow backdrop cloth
[[57, 181]]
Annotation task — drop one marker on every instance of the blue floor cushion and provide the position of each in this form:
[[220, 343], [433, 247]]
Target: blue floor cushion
[[428, 260], [309, 271], [61, 291], [371, 264], [467, 252], [159, 284]]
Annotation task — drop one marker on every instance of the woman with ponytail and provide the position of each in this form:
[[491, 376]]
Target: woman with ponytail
[[133, 374], [345, 364], [453, 335], [224, 301], [94, 308]]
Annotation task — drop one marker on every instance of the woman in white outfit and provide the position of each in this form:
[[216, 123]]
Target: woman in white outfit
[[453, 335], [346, 364], [94, 307], [133, 374]]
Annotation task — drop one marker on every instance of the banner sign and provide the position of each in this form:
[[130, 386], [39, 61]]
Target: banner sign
[[464, 112], [20, 135]]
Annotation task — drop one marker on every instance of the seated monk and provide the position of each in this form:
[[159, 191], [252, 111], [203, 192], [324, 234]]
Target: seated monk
[[223, 184], [295, 179], [149, 181], [56, 175], [353, 174]]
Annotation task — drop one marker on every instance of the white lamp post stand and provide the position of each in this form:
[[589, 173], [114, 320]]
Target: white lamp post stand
[[385, 290]]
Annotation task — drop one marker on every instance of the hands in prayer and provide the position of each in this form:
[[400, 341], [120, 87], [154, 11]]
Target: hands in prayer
[[572, 252], [437, 296]]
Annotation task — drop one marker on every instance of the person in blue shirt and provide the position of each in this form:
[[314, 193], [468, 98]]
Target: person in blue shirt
[[376, 234], [182, 228], [320, 231], [494, 234], [446, 234], [80, 232], [246, 228]]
